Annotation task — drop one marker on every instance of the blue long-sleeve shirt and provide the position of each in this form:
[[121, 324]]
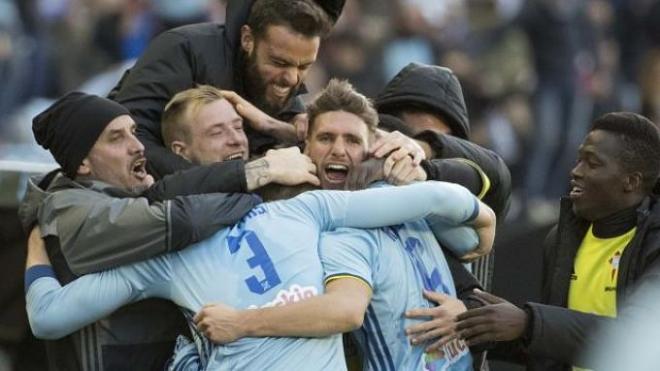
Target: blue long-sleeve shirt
[[269, 258]]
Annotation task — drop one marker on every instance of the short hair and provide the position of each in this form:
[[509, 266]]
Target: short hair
[[305, 17], [640, 140], [340, 95], [179, 111]]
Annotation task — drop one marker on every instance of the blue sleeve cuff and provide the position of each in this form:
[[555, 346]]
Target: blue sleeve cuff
[[475, 210], [35, 272]]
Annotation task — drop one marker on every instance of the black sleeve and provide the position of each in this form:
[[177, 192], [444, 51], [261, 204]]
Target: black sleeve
[[196, 217], [223, 177], [454, 171], [464, 281], [492, 165], [165, 68], [560, 333]]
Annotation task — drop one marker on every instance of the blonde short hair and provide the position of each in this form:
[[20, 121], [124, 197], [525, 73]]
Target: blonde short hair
[[180, 110]]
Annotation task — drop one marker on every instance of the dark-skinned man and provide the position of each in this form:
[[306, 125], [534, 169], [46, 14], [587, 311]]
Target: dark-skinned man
[[604, 248]]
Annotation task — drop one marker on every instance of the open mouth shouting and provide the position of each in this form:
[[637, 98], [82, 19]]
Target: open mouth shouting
[[335, 174], [139, 170]]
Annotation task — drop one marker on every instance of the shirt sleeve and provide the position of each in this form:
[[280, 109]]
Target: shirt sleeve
[[55, 311], [348, 253]]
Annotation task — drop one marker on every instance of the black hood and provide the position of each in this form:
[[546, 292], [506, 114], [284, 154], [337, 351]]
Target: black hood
[[427, 87]]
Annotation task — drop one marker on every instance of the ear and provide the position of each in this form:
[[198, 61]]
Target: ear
[[85, 167], [247, 39], [633, 182], [179, 148]]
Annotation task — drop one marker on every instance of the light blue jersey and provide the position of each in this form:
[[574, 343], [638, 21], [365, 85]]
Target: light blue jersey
[[269, 258], [398, 263]]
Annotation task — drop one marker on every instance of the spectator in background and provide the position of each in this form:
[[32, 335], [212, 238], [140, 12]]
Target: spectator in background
[[564, 56]]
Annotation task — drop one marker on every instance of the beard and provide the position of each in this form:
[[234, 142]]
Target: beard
[[255, 87]]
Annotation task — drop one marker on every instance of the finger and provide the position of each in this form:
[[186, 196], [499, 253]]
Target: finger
[[471, 323], [472, 332], [472, 314], [437, 297], [397, 174], [417, 155], [421, 328], [312, 179], [375, 146], [387, 167], [432, 334], [311, 168], [483, 338], [420, 312], [385, 149], [488, 297]]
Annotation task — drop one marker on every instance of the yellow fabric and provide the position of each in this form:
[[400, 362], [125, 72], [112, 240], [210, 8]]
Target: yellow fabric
[[485, 180], [595, 272], [337, 277]]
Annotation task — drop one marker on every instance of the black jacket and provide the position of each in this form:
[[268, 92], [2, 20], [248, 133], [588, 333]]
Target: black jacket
[[557, 335], [182, 58], [139, 336], [436, 89]]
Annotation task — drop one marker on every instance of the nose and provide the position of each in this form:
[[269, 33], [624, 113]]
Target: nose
[[576, 172], [236, 137], [135, 146], [339, 148], [290, 76]]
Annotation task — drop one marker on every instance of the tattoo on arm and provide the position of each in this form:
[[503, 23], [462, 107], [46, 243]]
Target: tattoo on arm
[[257, 174]]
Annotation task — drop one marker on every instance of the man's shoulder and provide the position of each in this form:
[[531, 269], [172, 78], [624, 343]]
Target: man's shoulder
[[198, 31]]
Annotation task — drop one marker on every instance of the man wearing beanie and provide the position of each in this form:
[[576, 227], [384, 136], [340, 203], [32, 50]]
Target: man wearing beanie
[[102, 210]]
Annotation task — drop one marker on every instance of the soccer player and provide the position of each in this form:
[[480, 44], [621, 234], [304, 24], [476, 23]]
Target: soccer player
[[269, 258]]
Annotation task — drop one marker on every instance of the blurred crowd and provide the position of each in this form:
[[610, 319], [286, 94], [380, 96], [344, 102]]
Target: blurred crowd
[[534, 73]]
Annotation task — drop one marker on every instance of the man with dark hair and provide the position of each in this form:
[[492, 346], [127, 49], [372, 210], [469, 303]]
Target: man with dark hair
[[263, 52], [604, 248], [426, 102], [102, 209]]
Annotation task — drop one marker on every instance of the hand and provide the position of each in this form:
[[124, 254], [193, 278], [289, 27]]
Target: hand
[[364, 174], [301, 123], [400, 171], [442, 322], [395, 143], [499, 320], [259, 120], [287, 166], [220, 323], [36, 249]]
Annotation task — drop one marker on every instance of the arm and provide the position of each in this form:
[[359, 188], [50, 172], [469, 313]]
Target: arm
[[56, 311], [486, 163], [340, 309], [98, 232], [378, 207]]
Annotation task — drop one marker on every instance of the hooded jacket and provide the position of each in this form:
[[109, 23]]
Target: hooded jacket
[[180, 59], [437, 90], [558, 337], [90, 226]]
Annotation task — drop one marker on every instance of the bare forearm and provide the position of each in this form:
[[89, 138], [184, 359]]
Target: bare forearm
[[36, 250], [257, 174], [315, 317], [283, 131]]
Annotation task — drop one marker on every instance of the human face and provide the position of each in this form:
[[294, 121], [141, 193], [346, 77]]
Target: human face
[[338, 141], [419, 121], [277, 65], [216, 134], [598, 179], [117, 157]]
